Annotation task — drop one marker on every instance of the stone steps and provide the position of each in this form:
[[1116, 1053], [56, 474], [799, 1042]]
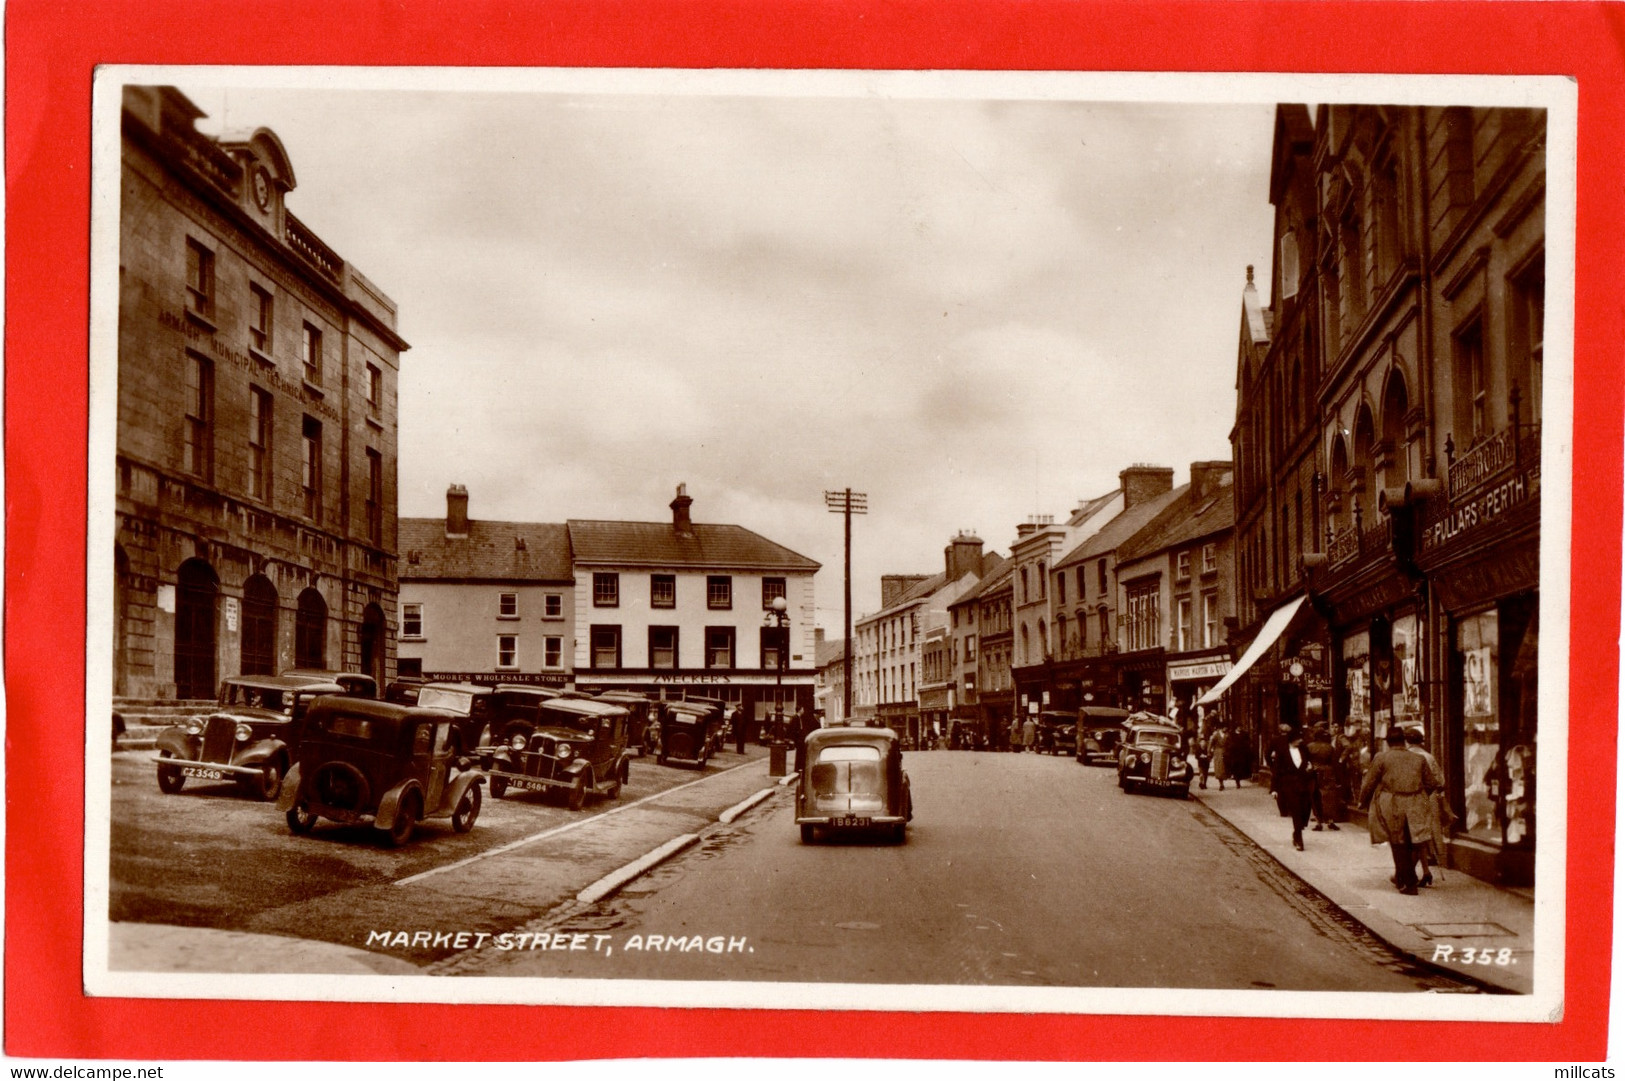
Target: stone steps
[[145, 718]]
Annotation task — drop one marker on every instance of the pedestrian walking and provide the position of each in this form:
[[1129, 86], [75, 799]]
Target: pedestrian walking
[[739, 729], [1427, 852], [1328, 806], [1015, 734], [1292, 779], [1215, 750], [1238, 755], [1397, 787], [1029, 735]]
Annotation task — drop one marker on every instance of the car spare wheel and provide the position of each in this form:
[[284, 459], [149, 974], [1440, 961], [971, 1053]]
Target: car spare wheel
[[340, 786]]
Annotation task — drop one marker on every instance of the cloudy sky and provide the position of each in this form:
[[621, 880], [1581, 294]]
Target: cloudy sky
[[972, 307]]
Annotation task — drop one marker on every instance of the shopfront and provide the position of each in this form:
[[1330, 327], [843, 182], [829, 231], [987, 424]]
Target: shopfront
[[1482, 553], [1143, 681], [1189, 677]]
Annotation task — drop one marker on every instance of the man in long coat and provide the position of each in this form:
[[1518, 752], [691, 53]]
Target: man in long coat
[[1292, 776], [1397, 784]]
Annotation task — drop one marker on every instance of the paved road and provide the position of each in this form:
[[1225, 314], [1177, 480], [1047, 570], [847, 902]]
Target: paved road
[[1018, 870]]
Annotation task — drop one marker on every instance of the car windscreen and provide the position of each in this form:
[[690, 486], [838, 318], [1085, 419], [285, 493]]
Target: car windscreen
[[448, 699], [843, 770], [1156, 739]]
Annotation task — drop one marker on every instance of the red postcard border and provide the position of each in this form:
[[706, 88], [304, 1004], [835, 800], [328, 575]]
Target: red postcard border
[[51, 52]]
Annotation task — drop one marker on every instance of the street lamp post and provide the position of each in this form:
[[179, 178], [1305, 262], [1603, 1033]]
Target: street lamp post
[[778, 614]]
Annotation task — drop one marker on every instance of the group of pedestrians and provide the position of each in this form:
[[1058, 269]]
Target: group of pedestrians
[[1402, 789], [1225, 754]]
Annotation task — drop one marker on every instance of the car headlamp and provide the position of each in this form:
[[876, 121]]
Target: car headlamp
[[563, 750], [517, 741], [194, 728], [243, 732], [1145, 756]]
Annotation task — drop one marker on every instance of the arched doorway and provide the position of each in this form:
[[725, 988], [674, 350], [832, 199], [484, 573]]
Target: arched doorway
[[372, 643], [310, 631], [197, 591], [259, 626], [121, 608]]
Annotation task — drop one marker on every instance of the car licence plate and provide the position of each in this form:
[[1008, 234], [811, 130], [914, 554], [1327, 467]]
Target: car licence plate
[[205, 774], [527, 783], [850, 820]]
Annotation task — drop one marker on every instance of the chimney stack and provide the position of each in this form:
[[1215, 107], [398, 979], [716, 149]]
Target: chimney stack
[[1141, 482], [893, 586], [1208, 477], [963, 556], [456, 511], [681, 524]]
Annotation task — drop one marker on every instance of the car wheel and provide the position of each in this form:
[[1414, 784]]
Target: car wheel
[[301, 819], [468, 810], [499, 785], [170, 780], [1185, 792], [269, 784], [622, 771], [577, 798], [660, 759], [899, 834], [809, 833], [406, 820]]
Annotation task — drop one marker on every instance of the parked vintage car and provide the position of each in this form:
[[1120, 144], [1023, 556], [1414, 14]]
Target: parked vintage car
[[515, 709], [690, 732], [474, 706], [404, 691], [1152, 756], [578, 746], [250, 736], [640, 730], [853, 780], [1057, 733], [1100, 730], [355, 684], [380, 762]]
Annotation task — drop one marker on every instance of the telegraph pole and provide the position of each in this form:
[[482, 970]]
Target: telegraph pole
[[847, 503]]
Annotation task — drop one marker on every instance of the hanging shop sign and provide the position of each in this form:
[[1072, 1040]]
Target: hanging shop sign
[[1470, 516]]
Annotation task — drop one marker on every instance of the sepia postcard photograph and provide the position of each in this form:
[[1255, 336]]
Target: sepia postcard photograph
[[865, 540], [1087, 533]]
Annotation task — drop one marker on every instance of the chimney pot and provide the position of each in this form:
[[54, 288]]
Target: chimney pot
[[681, 523]]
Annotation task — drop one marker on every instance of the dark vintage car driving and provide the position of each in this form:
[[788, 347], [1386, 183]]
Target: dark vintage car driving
[[640, 711], [1057, 733], [690, 732], [1152, 756], [1100, 730], [250, 737], [578, 746], [853, 780], [379, 763]]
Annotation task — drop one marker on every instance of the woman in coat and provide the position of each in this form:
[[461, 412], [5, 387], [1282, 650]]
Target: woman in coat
[[1215, 750], [1328, 786], [1427, 854], [1398, 785]]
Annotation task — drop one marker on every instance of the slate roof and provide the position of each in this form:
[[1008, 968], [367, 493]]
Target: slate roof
[[829, 651], [1089, 509], [1121, 528], [657, 544], [490, 552], [1185, 520]]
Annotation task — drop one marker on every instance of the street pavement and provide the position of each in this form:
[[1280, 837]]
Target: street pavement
[[1456, 924], [1018, 869]]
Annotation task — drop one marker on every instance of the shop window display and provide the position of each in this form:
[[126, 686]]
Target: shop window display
[[1407, 693], [1478, 658], [1357, 692]]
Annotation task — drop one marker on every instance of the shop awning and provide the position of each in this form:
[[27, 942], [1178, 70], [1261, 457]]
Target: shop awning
[[1274, 627]]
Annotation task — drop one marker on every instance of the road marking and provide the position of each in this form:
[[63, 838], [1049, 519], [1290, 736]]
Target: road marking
[[743, 805], [567, 827], [618, 878]]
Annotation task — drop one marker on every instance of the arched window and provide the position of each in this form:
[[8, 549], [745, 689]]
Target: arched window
[[1364, 444], [1043, 640], [1026, 645], [1395, 404], [310, 631], [259, 626]]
